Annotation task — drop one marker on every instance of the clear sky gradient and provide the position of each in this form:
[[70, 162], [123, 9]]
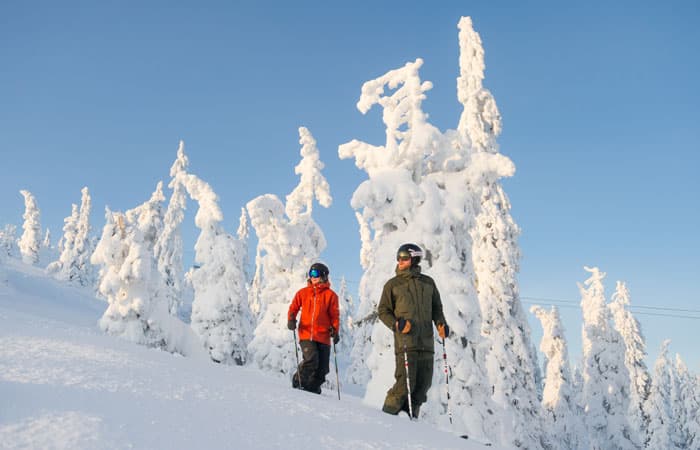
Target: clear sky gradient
[[599, 104]]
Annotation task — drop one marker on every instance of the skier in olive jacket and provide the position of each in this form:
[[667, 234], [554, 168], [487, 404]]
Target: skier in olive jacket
[[409, 305], [319, 323]]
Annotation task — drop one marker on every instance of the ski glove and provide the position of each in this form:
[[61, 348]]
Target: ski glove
[[403, 325], [334, 335], [292, 324], [443, 330]]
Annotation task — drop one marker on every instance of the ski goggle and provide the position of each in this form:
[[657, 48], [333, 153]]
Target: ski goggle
[[314, 273], [403, 256]]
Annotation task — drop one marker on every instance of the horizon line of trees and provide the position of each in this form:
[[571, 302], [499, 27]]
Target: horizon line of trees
[[441, 190]]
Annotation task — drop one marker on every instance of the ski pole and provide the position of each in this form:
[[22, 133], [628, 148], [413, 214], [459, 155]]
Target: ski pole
[[337, 377], [408, 381], [447, 379], [296, 351]]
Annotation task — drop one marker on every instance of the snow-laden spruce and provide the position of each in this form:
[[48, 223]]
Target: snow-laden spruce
[[75, 246], [30, 241], [510, 358], [168, 248], [8, 241], [606, 380], [132, 284], [220, 314], [426, 187], [388, 207], [635, 353], [561, 414], [687, 411], [289, 241], [662, 433]]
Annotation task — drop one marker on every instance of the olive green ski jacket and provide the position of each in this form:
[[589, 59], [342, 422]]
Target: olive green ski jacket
[[413, 296]]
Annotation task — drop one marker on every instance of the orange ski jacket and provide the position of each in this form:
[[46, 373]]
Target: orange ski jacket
[[319, 311]]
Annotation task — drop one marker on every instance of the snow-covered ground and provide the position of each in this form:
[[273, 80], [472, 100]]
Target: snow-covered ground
[[64, 384]]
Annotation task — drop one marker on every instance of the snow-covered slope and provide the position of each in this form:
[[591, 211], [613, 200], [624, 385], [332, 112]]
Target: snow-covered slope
[[64, 384]]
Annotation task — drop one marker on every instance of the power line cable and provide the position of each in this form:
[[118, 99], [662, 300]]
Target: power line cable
[[677, 316]]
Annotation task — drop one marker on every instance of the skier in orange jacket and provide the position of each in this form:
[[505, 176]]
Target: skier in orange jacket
[[319, 323]]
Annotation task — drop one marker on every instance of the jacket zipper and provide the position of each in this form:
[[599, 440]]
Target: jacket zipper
[[313, 315]]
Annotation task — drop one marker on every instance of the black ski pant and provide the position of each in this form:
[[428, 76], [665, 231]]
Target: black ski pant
[[314, 367], [420, 371]]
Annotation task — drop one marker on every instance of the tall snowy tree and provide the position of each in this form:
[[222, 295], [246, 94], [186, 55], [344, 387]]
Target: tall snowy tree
[[605, 376], [73, 263], [347, 314], [686, 407], [30, 242], [61, 268], [289, 241], [635, 353], [168, 249], [662, 432], [220, 313], [562, 421], [130, 280], [423, 187], [8, 240], [387, 206], [510, 357], [85, 275]]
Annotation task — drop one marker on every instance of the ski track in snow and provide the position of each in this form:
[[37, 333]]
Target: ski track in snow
[[65, 385]]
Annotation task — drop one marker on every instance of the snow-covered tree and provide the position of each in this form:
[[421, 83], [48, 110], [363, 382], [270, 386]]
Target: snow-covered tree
[[131, 282], [423, 187], [562, 421], [61, 268], [8, 241], [387, 206], [76, 247], [220, 313], [255, 286], [85, 273], [635, 352], [168, 249], [30, 242], [289, 241], [661, 432], [606, 380], [686, 407], [347, 314], [46, 243], [126, 276], [510, 357]]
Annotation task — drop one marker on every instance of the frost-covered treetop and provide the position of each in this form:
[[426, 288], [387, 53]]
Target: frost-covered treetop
[[594, 297], [408, 137], [243, 227], [621, 294], [200, 191], [181, 162], [480, 119], [312, 183]]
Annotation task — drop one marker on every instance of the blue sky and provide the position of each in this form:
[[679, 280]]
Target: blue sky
[[599, 104]]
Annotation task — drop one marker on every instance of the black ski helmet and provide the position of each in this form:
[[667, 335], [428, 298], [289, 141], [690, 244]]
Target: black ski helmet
[[411, 250], [322, 270]]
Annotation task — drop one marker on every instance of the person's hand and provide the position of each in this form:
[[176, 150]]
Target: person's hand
[[292, 324], [443, 330], [334, 335], [403, 325]]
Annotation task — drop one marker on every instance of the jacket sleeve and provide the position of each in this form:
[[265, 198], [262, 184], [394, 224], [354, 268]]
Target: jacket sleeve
[[385, 309], [334, 312], [294, 307], [438, 316]]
